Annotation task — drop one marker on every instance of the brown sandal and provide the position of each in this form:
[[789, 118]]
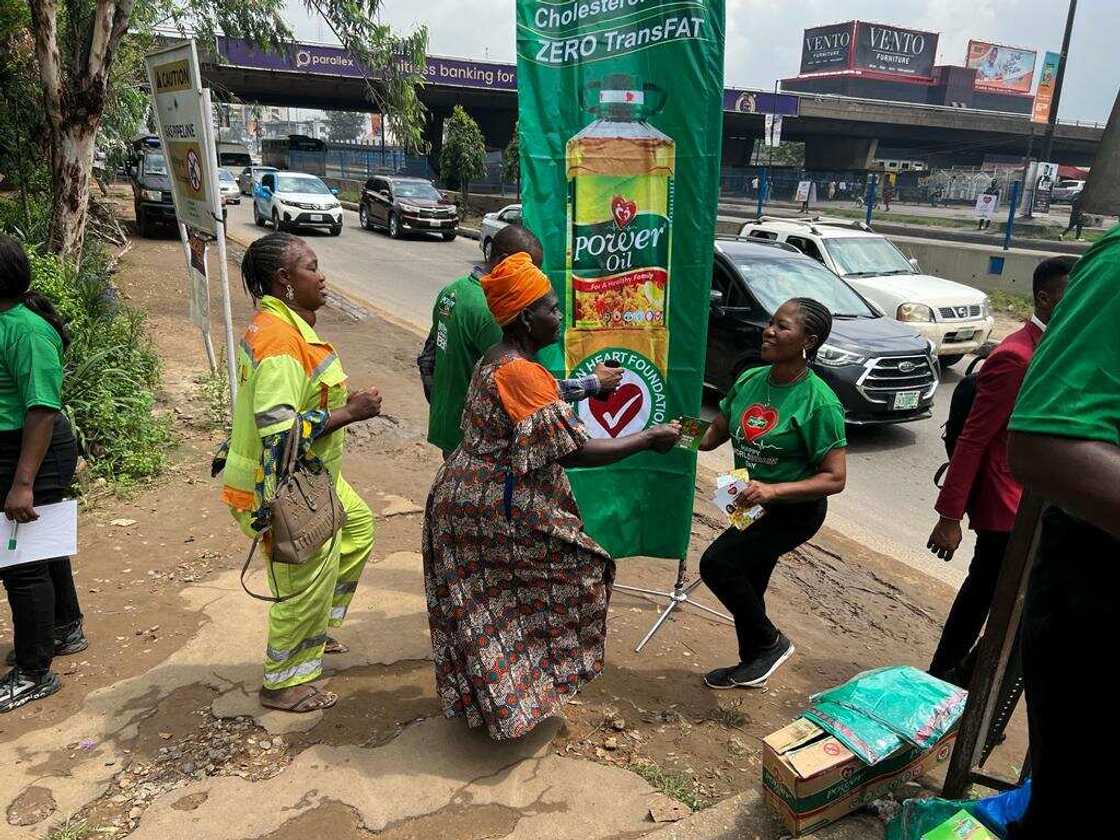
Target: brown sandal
[[335, 646], [312, 700]]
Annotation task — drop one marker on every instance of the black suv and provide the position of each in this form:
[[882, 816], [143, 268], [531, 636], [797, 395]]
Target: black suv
[[881, 369], [151, 186], [407, 204]]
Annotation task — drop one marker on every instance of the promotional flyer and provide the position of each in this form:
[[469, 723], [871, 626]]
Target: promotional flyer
[[621, 125], [1044, 96]]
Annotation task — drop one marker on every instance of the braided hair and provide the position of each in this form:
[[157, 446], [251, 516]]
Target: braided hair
[[15, 284], [263, 259], [816, 319]]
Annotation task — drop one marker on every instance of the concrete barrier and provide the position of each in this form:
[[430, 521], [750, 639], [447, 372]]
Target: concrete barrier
[[983, 267]]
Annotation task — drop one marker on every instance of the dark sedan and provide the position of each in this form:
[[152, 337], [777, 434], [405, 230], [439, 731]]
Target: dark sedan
[[881, 369]]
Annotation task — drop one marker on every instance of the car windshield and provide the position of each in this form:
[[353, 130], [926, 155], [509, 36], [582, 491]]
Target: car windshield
[[226, 175], [297, 184], [775, 280], [416, 189], [866, 256], [155, 165]]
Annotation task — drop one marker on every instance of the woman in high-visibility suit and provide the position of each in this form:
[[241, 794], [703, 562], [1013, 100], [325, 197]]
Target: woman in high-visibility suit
[[285, 368]]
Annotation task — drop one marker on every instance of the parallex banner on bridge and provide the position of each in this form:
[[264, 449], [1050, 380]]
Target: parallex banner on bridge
[[621, 124]]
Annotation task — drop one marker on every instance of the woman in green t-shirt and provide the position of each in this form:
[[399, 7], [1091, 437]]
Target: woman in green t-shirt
[[787, 429], [38, 456]]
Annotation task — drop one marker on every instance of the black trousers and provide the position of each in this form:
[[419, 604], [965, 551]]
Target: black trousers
[[42, 595], [970, 609], [738, 564], [1069, 636]]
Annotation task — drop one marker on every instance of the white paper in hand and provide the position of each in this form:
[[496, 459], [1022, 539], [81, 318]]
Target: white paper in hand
[[53, 534]]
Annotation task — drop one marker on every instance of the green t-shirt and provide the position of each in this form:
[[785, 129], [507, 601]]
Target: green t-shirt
[[464, 329], [30, 366], [782, 432], [1072, 387]]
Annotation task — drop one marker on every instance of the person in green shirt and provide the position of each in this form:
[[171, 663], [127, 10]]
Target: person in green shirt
[[787, 429], [38, 456], [463, 329], [1064, 447]]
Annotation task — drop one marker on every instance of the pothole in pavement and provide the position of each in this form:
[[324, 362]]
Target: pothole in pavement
[[455, 822]]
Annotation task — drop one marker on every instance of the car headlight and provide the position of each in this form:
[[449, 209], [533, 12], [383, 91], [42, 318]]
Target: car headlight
[[914, 312], [334, 205], [833, 356], [931, 348], [408, 208], [151, 195], [985, 307]]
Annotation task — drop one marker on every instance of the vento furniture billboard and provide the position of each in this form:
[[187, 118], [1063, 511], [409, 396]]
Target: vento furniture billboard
[[878, 47], [1001, 68]]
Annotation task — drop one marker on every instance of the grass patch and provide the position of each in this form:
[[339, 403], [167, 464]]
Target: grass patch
[[111, 370], [350, 195], [1014, 304], [678, 786], [72, 829], [213, 392]]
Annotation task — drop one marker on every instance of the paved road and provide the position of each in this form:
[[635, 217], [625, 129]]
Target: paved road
[[889, 500]]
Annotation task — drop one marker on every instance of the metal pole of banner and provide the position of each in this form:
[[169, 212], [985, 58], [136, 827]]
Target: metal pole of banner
[[227, 315], [1028, 195], [761, 178], [1013, 206]]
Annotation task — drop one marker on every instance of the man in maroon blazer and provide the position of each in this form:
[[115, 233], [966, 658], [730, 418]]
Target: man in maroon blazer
[[979, 481]]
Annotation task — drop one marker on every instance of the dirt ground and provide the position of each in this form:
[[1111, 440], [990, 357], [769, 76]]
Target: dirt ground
[[148, 561]]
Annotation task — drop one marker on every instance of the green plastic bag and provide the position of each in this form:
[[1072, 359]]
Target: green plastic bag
[[920, 708], [867, 738]]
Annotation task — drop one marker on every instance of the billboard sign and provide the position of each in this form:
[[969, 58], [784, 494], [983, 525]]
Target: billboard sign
[[1044, 96], [323, 60], [1001, 68], [895, 50], [740, 101], [184, 129], [827, 48]]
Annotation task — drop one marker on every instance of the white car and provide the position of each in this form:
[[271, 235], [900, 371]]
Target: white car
[[494, 222], [956, 318], [294, 199], [227, 186]]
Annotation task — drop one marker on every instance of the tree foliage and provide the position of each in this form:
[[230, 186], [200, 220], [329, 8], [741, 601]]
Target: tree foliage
[[511, 156], [343, 126], [463, 156]]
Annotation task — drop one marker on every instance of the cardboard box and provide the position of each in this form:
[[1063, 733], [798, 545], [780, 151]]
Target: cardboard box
[[810, 779]]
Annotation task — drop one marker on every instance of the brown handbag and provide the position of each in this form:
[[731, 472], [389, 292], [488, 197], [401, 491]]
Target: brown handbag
[[306, 512]]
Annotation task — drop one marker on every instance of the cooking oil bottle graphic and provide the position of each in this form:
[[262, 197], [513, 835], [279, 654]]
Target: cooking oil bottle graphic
[[619, 225]]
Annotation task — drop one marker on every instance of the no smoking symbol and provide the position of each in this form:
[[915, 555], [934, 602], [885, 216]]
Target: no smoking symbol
[[194, 170]]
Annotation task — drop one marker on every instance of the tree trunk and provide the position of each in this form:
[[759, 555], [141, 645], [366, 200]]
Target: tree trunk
[[71, 165]]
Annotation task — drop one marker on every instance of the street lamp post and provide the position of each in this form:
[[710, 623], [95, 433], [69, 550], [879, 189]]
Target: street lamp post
[[1048, 142]]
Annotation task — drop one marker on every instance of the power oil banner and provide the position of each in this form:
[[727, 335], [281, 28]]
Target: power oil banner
[[621, 123]]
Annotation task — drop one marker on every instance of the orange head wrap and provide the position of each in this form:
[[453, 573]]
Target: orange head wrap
[[514, 284]]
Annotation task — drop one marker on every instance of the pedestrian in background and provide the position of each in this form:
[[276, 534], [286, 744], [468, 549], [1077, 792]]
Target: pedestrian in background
[[463, 329], [831, 190], [517, 591], [979, 480], [787, 429], [38, 456], [287, 372], [888, 194], [993, 189], [1064, 446], [1076, 219]]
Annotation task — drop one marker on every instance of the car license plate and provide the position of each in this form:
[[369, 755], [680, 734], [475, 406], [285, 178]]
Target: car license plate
[[434, 222], [905, 400], [316, 217]]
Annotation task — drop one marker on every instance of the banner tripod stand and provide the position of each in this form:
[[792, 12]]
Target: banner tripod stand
[[678, 597]]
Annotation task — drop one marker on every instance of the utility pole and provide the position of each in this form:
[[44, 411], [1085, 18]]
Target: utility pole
[[1048, 142]]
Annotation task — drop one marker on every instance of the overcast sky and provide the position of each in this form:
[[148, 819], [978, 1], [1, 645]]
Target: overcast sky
[[764, 36]]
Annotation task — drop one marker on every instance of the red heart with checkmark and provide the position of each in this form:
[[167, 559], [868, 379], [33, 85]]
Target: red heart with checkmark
[[617, 410], [758, 420], [623, 211]]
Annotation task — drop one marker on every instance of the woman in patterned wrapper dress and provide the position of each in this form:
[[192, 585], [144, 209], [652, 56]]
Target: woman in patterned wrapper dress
[[517, 592]]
